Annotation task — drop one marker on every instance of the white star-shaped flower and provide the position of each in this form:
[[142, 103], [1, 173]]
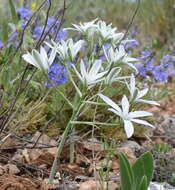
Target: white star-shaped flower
[[106, 31], [86, 28], [67, 50], [90, 76], [127, 117], [40, 59], [137, 94], [120, 55]]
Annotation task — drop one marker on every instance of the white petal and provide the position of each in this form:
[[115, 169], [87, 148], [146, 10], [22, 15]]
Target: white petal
[[125, 105], [29, 58], [142, 93], [136, 114], [110, 102], [132, 66], [148, 102], [132, 85], [83, 69], [52, 56], [129, 128], [43, 53], [116, 112], [139, 121], [95, 67]]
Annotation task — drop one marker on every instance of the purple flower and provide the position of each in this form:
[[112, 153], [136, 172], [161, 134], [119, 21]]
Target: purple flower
[[146, 54], [131, 45], [62, 35], [1, 44], [69, 63], [141, 68], [24, 12], [165, 59], [38, 31], [23, 24], [57, 75], [149, 64], [160, 74], [52, 20]]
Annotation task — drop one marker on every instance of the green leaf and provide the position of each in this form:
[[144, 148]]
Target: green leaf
[[126, 173], [143, 184], [143, 167], [13, 12], [5, 31]]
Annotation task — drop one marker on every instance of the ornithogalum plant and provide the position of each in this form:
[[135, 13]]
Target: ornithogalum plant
[[91, 65]]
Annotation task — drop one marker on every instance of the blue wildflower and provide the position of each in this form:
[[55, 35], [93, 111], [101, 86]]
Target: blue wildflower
[[165, 59], [146, 54], [23, 24], [131, 45], [24, 12], [1, 44], [38, 31], [52, 20], [62, 35], [149, 66], [69, 63], [141, 68], [57, 74], [159, 73]]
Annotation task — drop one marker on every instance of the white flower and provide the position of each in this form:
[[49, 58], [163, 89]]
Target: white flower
[[67, 50], [112, 76], [127, 117], [106, 31], [114, 56], [40, 59], [86, 28], [117, 38], [92, 75], [119, 54], [136, 94]]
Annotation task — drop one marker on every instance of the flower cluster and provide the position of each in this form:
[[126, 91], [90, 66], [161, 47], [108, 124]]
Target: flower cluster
[[96, 61], [36, 29], [57, 75], [160, 72]]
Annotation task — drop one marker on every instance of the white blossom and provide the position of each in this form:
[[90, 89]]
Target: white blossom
[[120, 55], [106, 31], [90, 76], [67, 50], [86, 28], [40, 59], [137, 94], [127, 117]]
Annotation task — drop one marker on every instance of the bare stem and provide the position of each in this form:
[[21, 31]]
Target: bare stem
[[55, 165]]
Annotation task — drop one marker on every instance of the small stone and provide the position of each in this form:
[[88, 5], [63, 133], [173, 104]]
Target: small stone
[[88, 185], [11, 169], [131, 144], [160, 186]]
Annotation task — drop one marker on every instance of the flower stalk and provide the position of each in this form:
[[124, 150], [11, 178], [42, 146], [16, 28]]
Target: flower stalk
[[63, 139]]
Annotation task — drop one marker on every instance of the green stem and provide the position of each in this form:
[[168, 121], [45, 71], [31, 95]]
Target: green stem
[[55, 164], [72, 145], [94, 123]]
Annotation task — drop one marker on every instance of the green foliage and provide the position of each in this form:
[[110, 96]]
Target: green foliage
[[4, 31], [109, 148], [162, 147], [137, 176], [13, 12]]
